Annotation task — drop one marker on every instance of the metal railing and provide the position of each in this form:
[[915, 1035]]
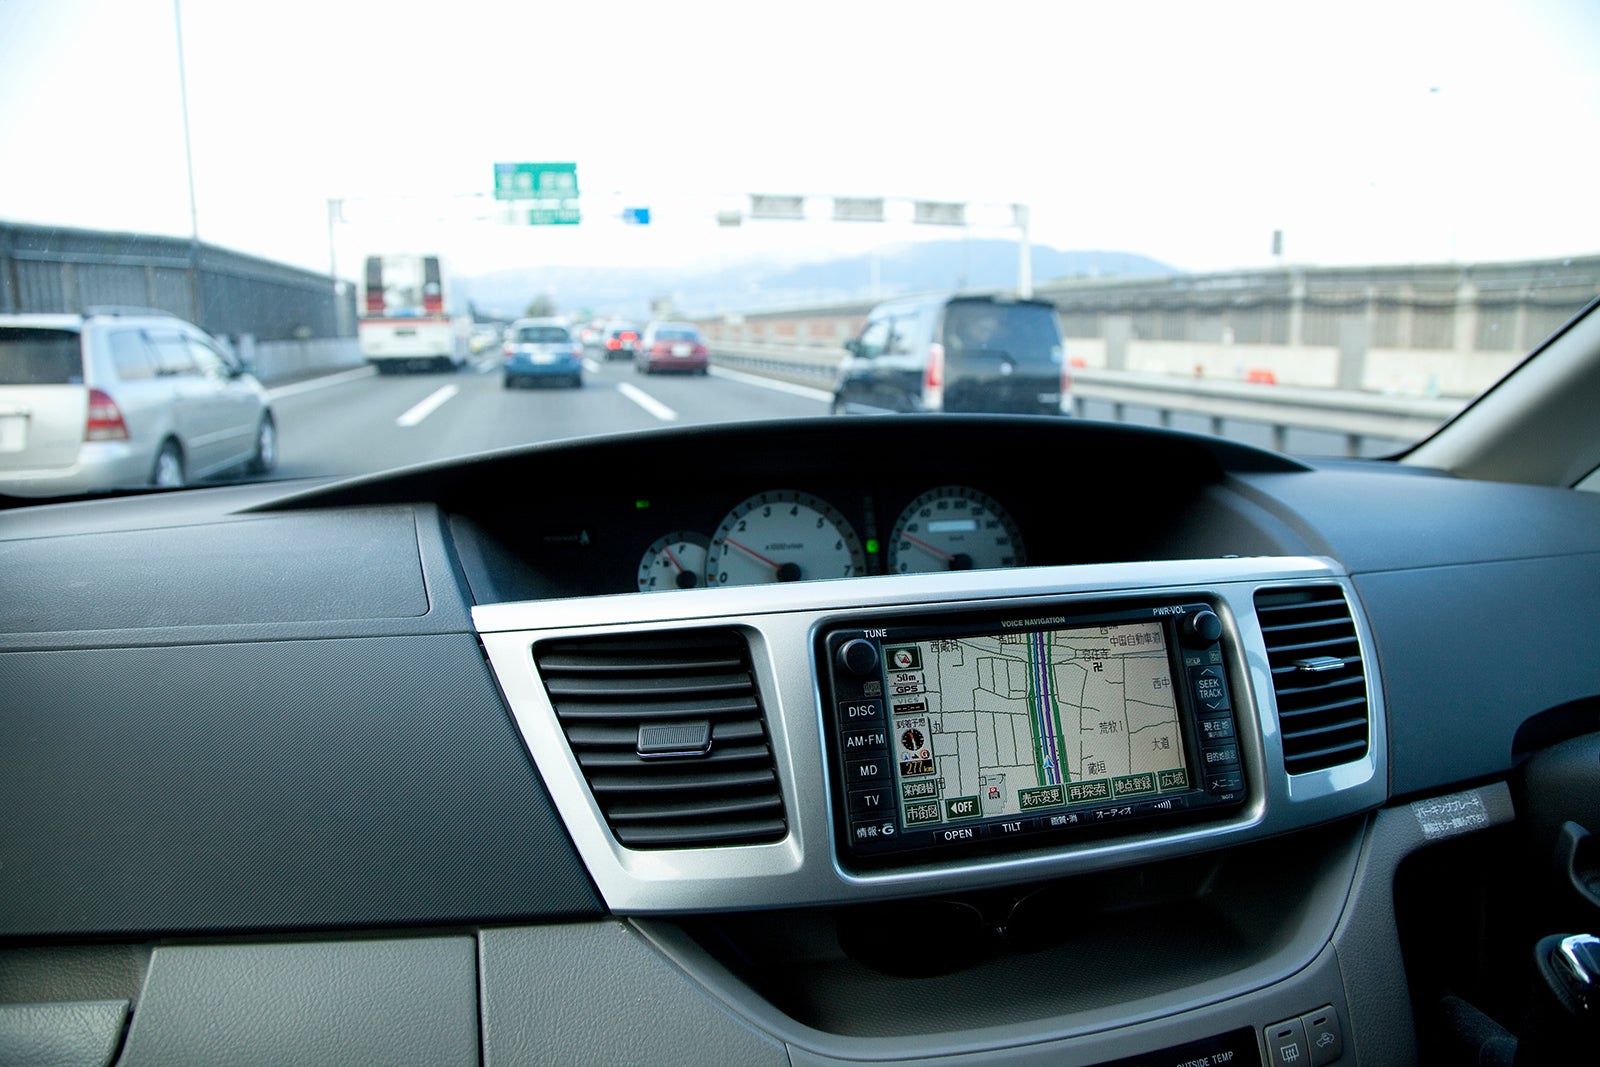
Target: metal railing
[[1359, 418]]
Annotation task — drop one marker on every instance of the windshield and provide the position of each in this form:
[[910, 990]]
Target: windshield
[[542, 335], [1320, 235]]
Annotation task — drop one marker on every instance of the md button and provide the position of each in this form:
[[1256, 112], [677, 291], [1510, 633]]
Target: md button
[[864, 773]]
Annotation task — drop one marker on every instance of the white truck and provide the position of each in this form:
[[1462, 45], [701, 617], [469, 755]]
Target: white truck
[[406, 321]]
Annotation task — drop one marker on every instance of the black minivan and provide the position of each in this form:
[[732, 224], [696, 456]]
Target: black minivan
[[959, 354]]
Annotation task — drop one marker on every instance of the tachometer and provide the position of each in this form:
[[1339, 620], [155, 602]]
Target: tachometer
[[676, 561], [783, 536], [954, 528]]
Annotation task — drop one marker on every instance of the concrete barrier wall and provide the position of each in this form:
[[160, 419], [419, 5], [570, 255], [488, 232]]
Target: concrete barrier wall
[[281, 361]]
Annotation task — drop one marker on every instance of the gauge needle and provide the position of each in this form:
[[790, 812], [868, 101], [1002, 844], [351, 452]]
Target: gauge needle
[[941, 553], [674, 559], [752, 553]]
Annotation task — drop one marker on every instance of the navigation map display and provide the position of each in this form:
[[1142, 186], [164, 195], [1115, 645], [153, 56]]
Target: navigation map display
[[1011, 724], [954, 734]]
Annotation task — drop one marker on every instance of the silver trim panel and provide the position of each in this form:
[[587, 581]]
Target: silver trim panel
[[781, 623]]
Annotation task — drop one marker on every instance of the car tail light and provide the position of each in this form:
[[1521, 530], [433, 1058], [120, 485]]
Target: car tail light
[[701, 350], [661, 348], [613, 344], [105, 419], [577, 350], [933, 383], [375, 303], [629, 335], [510, 350]]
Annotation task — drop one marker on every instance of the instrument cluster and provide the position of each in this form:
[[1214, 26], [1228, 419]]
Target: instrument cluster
[[785, 535]]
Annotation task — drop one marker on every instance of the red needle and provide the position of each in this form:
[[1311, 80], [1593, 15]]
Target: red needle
[[674, 559], [752, 553], [941, 553]]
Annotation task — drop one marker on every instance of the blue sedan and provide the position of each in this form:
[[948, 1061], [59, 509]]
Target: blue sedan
[[542, 349]]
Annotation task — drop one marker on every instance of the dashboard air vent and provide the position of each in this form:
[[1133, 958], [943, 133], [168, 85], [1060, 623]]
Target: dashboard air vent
[[1317, 675], [668, 730]]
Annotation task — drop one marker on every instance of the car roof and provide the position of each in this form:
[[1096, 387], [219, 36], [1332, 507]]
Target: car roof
[[44, 322], [542, 322], [918, 303]]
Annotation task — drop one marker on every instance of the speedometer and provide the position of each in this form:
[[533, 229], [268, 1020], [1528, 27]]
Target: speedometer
[[783, 536], [953, 528]]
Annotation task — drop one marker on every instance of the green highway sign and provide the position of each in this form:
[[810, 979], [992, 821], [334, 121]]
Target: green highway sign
[[553, 216], [535, 181]]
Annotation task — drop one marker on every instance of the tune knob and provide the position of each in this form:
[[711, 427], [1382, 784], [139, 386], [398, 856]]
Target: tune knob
[[858, 657]]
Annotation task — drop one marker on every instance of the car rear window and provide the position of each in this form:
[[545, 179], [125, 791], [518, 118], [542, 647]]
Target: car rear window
[[1027, 333], [677, 334], [31, 356], [542, 335]]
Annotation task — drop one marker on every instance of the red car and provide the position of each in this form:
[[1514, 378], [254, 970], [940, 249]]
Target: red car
[[671, 346]]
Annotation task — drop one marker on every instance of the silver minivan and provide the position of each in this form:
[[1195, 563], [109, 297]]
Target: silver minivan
[[120, 398]]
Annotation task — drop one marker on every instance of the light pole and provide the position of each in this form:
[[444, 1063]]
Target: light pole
[[183, 100]]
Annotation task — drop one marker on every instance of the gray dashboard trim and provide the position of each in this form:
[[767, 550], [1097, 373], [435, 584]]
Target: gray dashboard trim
[[391, 1002], [781, 623], [65, 1034]]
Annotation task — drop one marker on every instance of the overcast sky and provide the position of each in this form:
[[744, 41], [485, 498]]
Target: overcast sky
[[1368, 132]]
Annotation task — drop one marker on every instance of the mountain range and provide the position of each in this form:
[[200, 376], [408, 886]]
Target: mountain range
[[918, 267]]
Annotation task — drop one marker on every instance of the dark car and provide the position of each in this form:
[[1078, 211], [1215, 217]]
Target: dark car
[[672, 346], [959, 354], [621, 340]]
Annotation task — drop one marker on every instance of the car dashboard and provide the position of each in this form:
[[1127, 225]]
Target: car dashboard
[[467, 764]]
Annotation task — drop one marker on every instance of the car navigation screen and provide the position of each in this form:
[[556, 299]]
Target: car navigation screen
[[947, 738]]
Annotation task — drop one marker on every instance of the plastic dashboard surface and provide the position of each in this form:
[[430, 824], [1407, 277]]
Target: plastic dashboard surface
[[170, 739]]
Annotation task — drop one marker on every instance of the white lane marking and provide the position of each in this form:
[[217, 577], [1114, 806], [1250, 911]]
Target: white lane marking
[[591, 366], [487, 368], [774, 384], [313, 384], [648, 402], [432, 403]]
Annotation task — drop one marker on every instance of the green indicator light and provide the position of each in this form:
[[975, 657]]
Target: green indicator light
[[641, 504], [872, 546]]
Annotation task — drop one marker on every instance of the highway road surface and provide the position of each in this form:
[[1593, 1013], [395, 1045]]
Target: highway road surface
[[358, 422]]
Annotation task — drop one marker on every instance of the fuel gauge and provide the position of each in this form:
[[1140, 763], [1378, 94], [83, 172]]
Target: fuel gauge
[[675, 561]]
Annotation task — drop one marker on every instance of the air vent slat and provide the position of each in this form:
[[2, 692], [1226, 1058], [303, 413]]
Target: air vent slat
[[652, 665], [693, 809], [572, 711], [1323, 718], [612, 783], [635, 687], [624, 735], [604, 689], [607, 759], [702, 835]]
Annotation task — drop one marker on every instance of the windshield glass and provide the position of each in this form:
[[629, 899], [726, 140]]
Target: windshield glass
[[1321, 235], [542, 335]]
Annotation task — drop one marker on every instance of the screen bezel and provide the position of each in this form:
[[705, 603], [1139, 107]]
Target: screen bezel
[[899, 628]]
